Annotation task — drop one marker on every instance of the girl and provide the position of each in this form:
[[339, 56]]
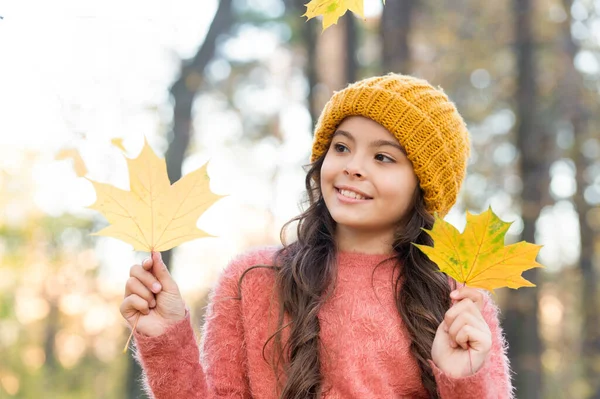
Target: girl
[[350, 309]]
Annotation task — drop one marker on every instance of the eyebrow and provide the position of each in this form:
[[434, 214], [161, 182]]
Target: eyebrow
[[373, 144]]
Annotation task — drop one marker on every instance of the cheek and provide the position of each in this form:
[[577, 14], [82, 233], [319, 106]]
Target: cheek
[[327, 169], [399, 189]]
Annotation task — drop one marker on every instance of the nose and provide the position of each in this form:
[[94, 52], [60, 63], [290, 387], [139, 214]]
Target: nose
[[354, 169]]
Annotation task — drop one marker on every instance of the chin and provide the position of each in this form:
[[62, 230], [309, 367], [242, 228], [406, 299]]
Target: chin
[[352, 223]]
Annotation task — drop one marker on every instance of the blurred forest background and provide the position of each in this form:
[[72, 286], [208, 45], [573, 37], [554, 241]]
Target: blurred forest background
[[245, 91]]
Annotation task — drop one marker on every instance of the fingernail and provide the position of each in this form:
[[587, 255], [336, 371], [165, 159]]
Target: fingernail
[[160, 256], [153, 303], [156, 287], [454, 294], [146, 261]]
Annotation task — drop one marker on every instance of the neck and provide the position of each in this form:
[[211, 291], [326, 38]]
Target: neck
[[367, 242]]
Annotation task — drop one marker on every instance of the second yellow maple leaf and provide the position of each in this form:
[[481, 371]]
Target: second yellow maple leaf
[[332, 10], [154, 215], [478, 257]]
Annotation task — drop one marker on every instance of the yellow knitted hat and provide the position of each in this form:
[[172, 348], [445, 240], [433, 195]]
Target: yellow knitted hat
[[423, 119]]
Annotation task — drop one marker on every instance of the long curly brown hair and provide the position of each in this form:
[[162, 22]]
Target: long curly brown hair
[[305, 270]]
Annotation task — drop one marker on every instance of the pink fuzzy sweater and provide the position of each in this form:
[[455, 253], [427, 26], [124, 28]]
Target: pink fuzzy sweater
[[365, 347]]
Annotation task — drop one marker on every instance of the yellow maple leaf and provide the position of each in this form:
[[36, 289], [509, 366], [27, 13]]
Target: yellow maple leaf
[[154, 215], [332, 10], [78, 164], [478, 257]]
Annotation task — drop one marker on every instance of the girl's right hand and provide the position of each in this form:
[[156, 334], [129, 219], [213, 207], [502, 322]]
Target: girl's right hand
[[152, 292]]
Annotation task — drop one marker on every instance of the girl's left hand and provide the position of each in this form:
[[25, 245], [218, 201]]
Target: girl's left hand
[[463, 339]]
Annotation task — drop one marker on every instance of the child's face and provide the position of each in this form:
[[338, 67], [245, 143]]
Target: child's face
[[366, 179]]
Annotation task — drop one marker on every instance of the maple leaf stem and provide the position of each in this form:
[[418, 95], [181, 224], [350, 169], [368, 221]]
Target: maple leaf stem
[[469, 346], [470, 360], [137, 318]]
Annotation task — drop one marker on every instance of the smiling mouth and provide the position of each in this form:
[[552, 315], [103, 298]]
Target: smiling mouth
[[351, 194]]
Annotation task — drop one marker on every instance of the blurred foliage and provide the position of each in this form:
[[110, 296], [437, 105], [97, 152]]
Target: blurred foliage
[[59, 332]]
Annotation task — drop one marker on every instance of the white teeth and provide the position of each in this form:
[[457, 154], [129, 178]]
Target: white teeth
[[351, 194]]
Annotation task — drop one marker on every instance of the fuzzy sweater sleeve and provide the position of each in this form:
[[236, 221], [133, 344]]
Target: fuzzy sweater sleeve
[[492, 381], [173, 365]]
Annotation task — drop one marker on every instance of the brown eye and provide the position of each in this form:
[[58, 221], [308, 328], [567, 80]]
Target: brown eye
[[339, 147], [383, 158]]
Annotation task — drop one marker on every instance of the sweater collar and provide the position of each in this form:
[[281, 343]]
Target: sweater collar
[[361, 259]]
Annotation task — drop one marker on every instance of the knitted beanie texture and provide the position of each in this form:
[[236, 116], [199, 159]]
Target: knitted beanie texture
[[422, 118]]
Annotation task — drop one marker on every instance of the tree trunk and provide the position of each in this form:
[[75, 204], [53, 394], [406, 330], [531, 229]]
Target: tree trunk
[[394, 32], [351, 71], [318, 71], [332, 59], [185, 88], [590, 311], [574, 110], [184, 91], [521, 325], [336, 62], [52, 325], [309, 36]]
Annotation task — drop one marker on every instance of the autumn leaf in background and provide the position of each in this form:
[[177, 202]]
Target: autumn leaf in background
[[118, 142], [478, 257], [78, 164], [332, 10], [154, 215]]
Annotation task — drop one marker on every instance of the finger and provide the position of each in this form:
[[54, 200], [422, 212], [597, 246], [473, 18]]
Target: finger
[[132, 305], [464, 306], [473, 294], [146, 277], [135, 286], [443, 332], [159, 269], [443, 327], [471, 338], [147, 263], [464, 319]]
